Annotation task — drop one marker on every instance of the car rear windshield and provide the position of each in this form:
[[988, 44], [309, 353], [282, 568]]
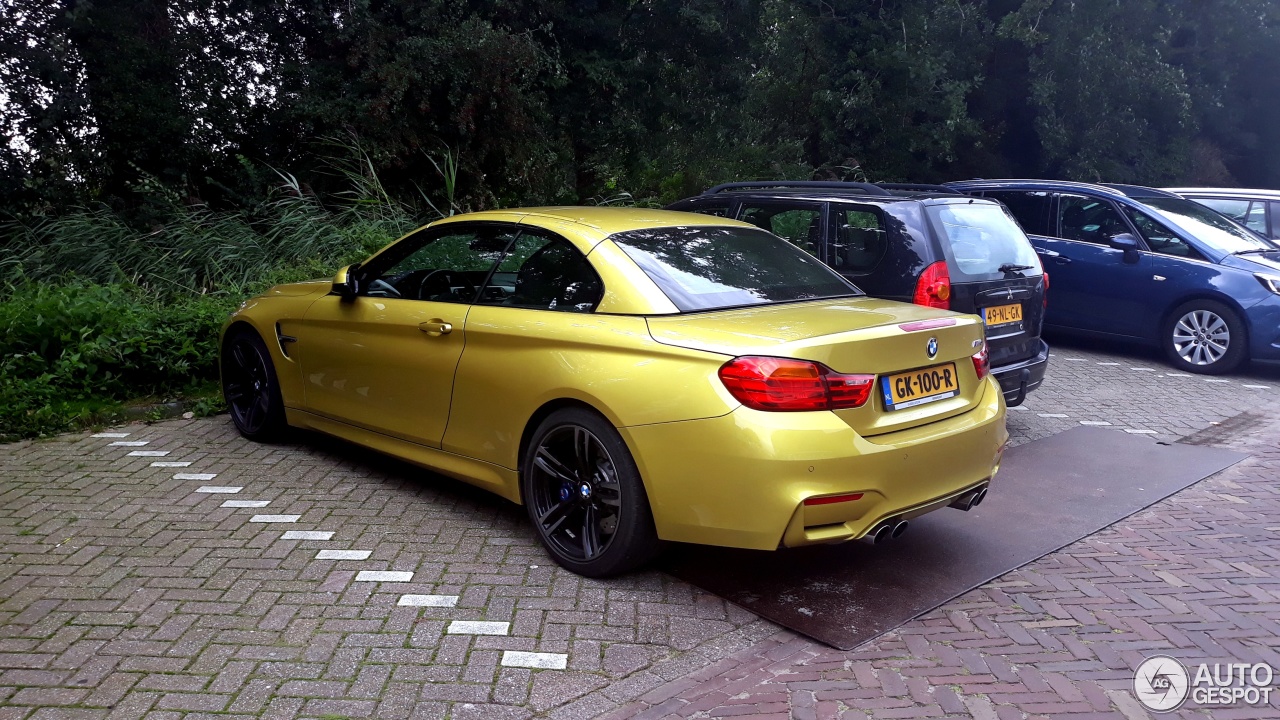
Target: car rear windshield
[[982, 240], [1207, 226], [708, 268]]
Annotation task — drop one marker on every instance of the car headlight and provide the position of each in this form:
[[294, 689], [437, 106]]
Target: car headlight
[[1270, 282]]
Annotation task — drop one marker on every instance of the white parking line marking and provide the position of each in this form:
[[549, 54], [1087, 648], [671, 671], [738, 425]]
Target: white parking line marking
[[1108, 363], [343, 555], [274, 518], [428, 600], [1017, 407], [539, 661], [1144, 369], [307, 535], [171, 463], [219, 489], [478, 627], [1258, 387], [246, 503], [148, 453], [1216, 380], [1052, 415], [1140, 432], [195, 476], [1094, 422], [129, 443], [384, 576], [110, 434], [1177, 375], [1078, 359]]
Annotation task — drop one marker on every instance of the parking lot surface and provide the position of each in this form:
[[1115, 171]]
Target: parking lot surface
[[177, 570]]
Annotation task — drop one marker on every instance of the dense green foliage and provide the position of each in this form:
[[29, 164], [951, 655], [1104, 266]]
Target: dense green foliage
[[159, 159]]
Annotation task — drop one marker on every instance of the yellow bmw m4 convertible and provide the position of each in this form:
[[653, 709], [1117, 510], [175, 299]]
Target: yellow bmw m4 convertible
[[631, 376]]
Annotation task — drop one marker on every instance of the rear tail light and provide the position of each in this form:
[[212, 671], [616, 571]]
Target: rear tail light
[[786, 385], [1046, 290], [933, 289], [982, 362]]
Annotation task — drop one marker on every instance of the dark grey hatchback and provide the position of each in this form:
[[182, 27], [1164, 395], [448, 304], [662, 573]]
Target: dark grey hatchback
[[916, 243]]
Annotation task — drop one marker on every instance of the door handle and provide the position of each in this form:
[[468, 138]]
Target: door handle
[[435, 328], [1062, 260]]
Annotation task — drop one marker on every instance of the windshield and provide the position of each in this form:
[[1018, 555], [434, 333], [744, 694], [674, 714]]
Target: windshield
[[983, 239], [706, 268], [1207, 226]]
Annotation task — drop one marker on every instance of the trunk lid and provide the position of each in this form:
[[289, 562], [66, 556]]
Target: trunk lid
[[1009, 340], [848, 335]]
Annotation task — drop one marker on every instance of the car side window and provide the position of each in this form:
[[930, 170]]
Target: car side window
[[1030, 209], [1088, 219], [1160, 238], [1256, 218], [801, 226], [1275, 219], [861, 241], [542, 271], [438, 265], [717, 209]]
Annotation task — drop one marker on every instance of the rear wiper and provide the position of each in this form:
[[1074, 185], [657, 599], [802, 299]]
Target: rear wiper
[[1012, 267]]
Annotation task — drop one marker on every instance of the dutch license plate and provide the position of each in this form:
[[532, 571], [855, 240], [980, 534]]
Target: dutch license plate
[[917, 387], [1004, 314]]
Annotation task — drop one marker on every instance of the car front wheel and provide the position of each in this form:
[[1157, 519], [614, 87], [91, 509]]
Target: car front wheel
[[1205, 336], [584, 496], [250, 387]]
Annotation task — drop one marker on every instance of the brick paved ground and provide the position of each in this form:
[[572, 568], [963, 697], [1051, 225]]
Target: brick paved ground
[[126, 592]]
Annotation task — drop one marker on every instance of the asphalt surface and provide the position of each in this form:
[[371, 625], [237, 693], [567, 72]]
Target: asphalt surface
[[131, 588]]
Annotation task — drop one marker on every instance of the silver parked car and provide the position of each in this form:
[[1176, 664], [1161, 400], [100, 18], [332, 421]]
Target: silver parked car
[[1258, 210]]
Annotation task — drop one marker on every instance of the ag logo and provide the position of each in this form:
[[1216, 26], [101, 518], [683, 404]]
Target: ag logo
[[932, 347], [1161, 683]]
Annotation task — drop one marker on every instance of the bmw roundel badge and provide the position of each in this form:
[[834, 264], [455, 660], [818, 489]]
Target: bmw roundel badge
[[932, 348]]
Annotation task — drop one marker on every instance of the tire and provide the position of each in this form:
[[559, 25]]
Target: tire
[[1205, 336], [251, 388], [584, 496]]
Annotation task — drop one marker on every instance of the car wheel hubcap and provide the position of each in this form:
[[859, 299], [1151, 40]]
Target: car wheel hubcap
[[1201, 337], [575, 492], [247, 391]]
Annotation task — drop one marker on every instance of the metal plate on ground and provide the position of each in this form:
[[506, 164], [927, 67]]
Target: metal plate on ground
[[1048, 494]]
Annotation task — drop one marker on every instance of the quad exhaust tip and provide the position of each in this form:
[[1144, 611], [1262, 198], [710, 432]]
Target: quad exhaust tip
[[890, 529], [970, 500]]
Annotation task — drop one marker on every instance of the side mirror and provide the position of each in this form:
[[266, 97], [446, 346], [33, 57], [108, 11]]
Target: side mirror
[[346, 283], [1126, 242]]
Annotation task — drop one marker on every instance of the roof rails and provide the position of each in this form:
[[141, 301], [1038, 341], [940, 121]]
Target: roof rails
[[813, 184], [920, 187]]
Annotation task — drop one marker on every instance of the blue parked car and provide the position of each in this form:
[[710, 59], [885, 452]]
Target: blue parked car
[[1146, 265]]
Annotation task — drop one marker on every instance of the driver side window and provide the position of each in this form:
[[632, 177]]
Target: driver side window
[[1159, 238], [440, 265]]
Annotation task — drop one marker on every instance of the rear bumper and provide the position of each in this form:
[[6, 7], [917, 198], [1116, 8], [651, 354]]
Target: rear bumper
[[740, 480], [1018, 379]]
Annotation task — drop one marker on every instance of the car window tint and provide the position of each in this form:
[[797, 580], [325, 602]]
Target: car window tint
[[1275, 219], [705, 268], [861, 241], [1160, 238], [1031, 209], [542, 271], [800, 226], [438, 265], [981, 238], [1088, 219], [719, 210], [1256, 218]]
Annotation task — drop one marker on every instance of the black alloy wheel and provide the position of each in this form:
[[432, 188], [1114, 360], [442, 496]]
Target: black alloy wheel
[[584, 496], [250, 387]]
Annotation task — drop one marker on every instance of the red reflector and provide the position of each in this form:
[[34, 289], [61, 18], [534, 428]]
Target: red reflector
[[927, 324], [784, 384], [933, 289], [1046, 289], [827, 500]]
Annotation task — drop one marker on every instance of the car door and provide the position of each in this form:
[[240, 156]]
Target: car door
[[384, 360], [1176, 267], [1094, 287]]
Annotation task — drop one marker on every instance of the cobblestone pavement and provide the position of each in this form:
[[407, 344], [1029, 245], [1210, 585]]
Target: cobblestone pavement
[[180, 571]]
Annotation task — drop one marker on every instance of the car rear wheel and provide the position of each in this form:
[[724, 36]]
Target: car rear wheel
[[584, 496], [250, 387], [1204, 336]]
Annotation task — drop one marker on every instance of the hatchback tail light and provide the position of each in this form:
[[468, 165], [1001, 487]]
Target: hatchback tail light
[[1046, 290], [982, 361], [786, 385], [933, 289]]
